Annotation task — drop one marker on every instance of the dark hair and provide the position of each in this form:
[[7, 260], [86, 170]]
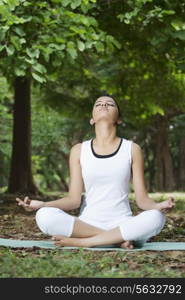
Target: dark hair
[[119, 111], [108, 95]]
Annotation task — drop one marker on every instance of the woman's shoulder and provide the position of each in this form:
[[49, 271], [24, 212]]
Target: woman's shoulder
[[134, 144], [77, 147], [136, 151], [75, 150]]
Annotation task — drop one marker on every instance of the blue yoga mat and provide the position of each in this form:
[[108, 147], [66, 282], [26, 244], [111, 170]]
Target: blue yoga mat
[[154, 246]]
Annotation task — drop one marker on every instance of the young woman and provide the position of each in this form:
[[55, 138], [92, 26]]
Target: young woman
[[102, 167]]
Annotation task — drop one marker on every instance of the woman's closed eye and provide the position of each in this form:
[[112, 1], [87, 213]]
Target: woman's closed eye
[[107, 104]]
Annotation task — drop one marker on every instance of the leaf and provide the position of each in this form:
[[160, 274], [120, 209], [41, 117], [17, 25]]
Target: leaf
[[75, 3], [39, 68], [84, 20], [89, 44], [15, 41], [19, 31], [72, 52], [26, 3], [85, 7], [65, 2], [178, 24], [2, 47], [99, 46], [31, 61], [38, 78], [121, 17], [174, 254], [2, 35], [19, 72], [12, 4], [116, 43], [5, 28], [56, 46], [179, 35], [71, 49], [33, 52], [168, 12], [10, 50], [22, 41], [81, 45], [155, 109], [56, 63]]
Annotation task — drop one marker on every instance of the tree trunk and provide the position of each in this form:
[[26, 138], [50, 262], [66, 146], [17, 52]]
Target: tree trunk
[[21, 179], [164, 177], [182, 164], [2, 170]]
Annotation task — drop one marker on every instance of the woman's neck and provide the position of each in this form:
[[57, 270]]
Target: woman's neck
[[105, 134]]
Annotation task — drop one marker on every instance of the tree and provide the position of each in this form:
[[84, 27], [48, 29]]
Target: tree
[[5, 135], [36, 37], [146, 73]]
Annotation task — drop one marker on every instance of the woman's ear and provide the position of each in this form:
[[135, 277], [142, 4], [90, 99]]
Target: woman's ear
[[91, 121], [119, 121]]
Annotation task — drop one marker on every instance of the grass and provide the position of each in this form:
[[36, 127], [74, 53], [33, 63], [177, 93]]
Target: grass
[[83, 263], [35, 262]]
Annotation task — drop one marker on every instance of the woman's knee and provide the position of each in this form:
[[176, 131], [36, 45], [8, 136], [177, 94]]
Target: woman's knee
[[44, 217], [54, 221], [158, 218]]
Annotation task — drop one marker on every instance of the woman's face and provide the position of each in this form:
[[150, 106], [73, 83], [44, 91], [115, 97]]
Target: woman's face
[[106, 108]]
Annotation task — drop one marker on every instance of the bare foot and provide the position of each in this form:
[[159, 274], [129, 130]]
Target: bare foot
[[64, 241], [127, 245]]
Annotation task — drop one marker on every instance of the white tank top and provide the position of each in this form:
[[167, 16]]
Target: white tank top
[[106, 181]]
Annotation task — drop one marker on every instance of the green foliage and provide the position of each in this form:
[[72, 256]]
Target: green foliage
[[133, 50], [53, 135], [5, 130], [36, 36], [161, 23]]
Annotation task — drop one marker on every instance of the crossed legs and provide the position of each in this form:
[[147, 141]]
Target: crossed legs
[[68, 230], [72, 231], [108, 237]]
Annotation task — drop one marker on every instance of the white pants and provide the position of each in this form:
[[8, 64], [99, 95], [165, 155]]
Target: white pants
[[54, 221], [143, 226]]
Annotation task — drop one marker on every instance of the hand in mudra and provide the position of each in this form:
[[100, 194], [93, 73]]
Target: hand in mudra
[[30, 205], [166, 205]]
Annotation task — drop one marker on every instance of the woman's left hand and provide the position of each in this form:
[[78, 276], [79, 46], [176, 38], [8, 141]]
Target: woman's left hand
[[166, 205]]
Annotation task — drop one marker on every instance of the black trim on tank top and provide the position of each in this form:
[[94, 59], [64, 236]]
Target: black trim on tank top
[[107, 155]]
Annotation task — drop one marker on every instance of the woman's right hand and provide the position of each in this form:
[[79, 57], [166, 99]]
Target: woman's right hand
[[30, 205]]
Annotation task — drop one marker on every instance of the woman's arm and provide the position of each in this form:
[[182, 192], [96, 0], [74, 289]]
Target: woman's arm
[[142, 199], [76, 187], [64, 203]]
